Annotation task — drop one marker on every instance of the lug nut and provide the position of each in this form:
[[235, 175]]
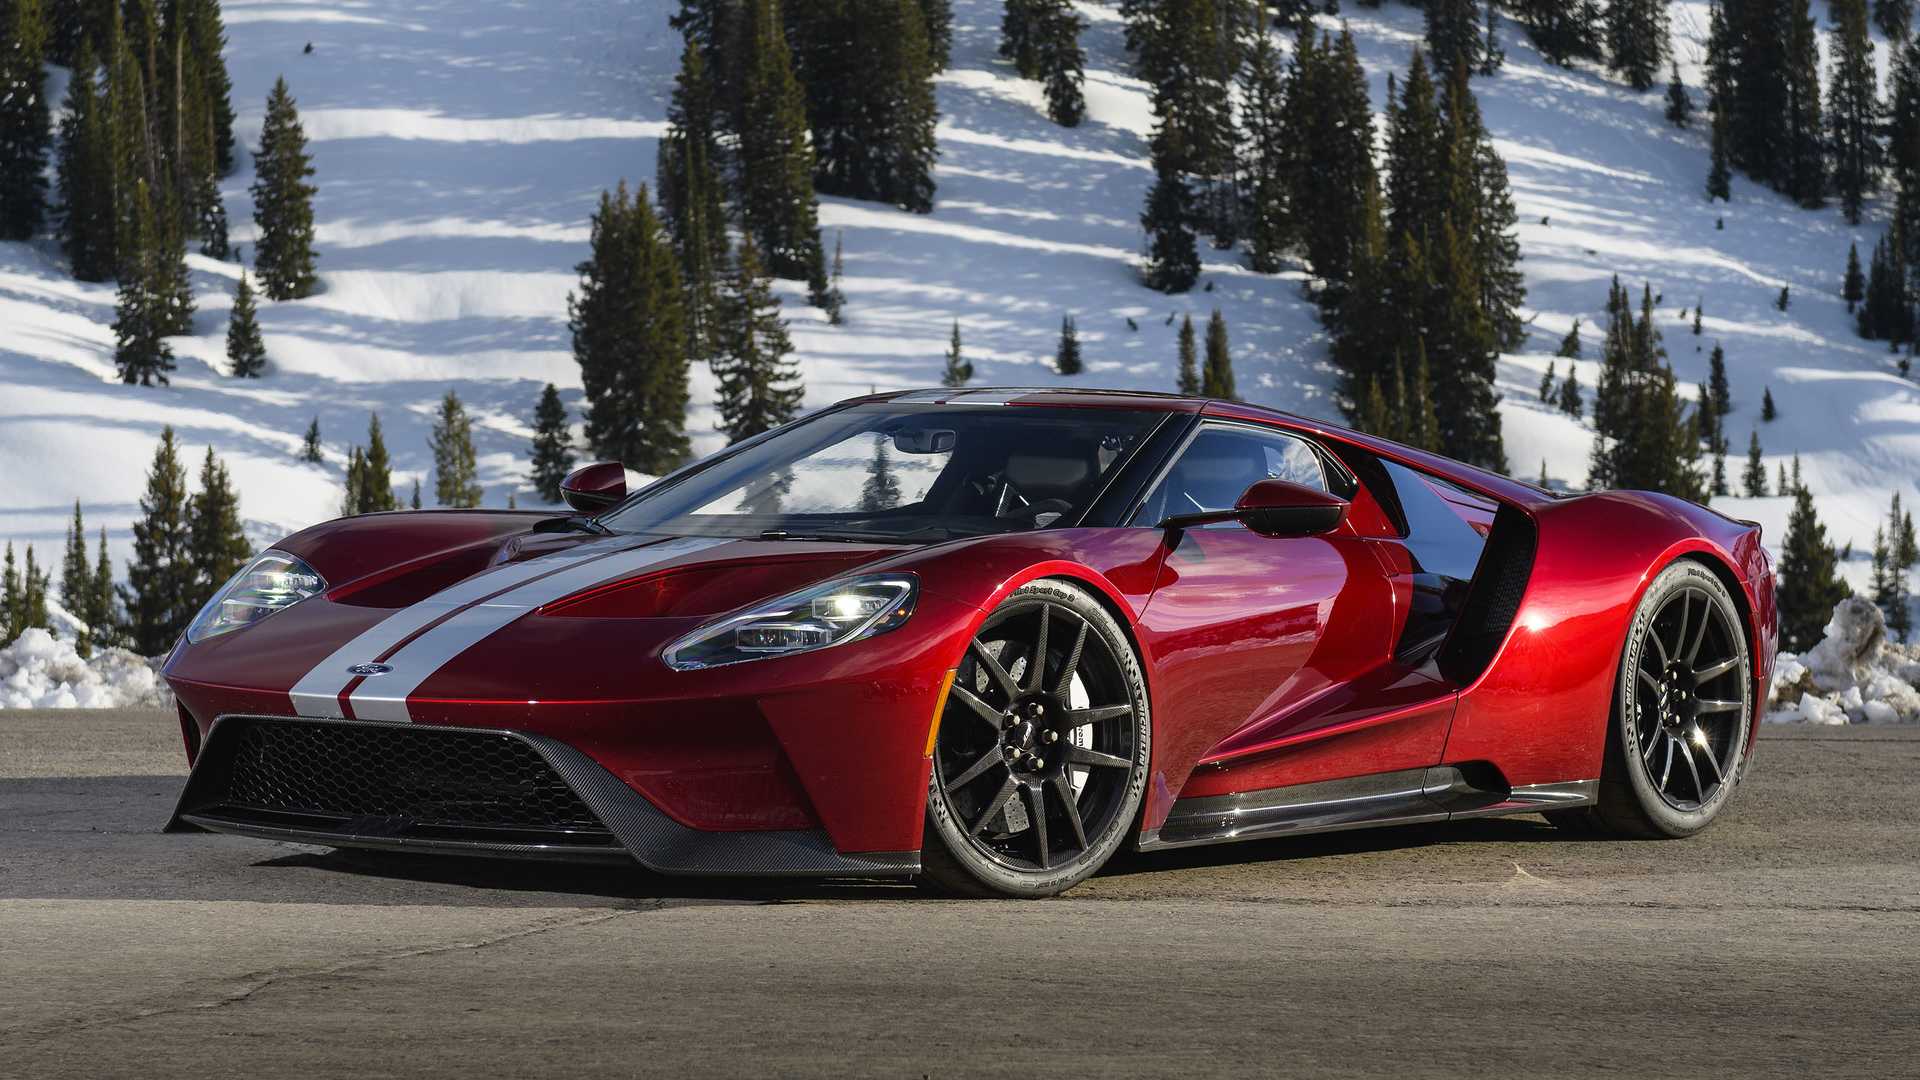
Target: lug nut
[[1050, 737], [1039, 763]]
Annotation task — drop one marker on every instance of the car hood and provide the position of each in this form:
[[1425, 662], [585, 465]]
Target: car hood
[[479, 602]]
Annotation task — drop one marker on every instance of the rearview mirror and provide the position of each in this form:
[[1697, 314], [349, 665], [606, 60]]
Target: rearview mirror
[[593, 488], [1277, 508]]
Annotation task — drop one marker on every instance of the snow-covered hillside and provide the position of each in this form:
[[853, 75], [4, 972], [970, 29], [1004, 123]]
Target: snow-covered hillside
[[461, 146]]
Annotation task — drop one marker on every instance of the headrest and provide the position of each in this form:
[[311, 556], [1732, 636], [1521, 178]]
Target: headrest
[[1057, 475]]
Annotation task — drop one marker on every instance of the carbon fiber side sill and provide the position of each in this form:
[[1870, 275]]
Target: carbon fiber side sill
[[1406, 797], [647, 834]]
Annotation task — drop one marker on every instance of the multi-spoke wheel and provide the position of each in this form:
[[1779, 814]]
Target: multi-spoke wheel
[[1041, 756], [1682, 711]]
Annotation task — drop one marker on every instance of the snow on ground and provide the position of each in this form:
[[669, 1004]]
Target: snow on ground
[[460, 148], [1854, 675], [40, 671]]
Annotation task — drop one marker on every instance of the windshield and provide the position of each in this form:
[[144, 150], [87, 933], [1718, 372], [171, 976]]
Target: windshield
[[901, 474]]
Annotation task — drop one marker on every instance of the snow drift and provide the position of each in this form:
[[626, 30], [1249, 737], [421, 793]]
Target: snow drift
[[40, 671], [1854, 675]]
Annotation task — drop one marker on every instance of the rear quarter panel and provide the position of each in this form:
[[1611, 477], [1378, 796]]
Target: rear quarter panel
[[1540, 709]]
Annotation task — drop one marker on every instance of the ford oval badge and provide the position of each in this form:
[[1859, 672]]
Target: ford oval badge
[[369, 669]]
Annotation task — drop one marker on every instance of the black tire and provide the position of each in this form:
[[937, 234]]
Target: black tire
[[1682, 713], [1038, 772]]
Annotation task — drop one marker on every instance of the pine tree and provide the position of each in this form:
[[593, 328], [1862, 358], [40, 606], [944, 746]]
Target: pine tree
[[354, 490], [1481, 204], [1453, 33], [1062, 61], [1217, 377], [1265, 214], [216, 538], [1570, 345], [283, 202], [1679, 105], [552, 444], [12, 600], [1894, 553], [1644, 438], [1563, 30], [758, 381], [938, 17], [835, 300], [1720, 173], [376, 475], [1423, 430], [1754, 479], [453, 460], [1781, 485], [1066, 358], [1570, 400], [166, 268], [1805, 166], [1853, 286], [629, 336], [414, 502], [310, 443], [1697, 312], [1020, 36], [1334, 194], [26, 122], [1767, 410], [141, 353], [776, 196], [161, 589], [690, 191], [1893, 17], [1719, 391], [872, 124], [1637, 40], [1189, 377], [1546, 383], [1853, 109], [1173, 256], [881, 491], [1191, 68], [959, 370], [246, 350], [1492, 56], [76, 581], [1809, 581], [207, 36], [86, 217]]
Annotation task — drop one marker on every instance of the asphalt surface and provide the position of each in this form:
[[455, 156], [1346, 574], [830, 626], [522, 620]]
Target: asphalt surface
[[1785, 940]]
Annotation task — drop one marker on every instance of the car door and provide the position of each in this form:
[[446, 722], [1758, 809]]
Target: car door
[[1241, 624]]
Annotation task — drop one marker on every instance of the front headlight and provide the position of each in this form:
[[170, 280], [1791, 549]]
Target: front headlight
[[821, 617], [271, 582]]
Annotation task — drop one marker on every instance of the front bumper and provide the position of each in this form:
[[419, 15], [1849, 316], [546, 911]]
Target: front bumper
[[470, 791]]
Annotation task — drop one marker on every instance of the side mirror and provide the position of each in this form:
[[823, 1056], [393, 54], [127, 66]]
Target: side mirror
[[593, 488], [1277, 508]]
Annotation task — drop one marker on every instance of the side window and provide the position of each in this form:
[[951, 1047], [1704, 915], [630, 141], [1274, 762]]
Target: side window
[[1220, 464]]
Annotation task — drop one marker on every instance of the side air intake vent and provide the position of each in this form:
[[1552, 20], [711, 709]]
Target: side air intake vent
[[1494, 598]]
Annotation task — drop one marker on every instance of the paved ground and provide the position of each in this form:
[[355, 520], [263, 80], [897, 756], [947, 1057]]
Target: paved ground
[[1785, 940]]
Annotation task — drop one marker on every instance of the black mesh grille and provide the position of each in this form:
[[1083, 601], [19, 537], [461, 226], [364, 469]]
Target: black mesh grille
[[417, 776]]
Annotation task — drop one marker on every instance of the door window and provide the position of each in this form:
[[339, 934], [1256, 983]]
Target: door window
[[1220, 464]]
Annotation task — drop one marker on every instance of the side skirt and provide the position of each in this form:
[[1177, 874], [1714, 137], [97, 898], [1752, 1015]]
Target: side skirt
[[1406, 797]]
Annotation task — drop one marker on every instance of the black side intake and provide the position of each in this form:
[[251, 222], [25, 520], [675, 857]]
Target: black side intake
[[1506, 563]]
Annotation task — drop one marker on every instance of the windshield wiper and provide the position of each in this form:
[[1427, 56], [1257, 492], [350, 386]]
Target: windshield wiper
[[572, 523]]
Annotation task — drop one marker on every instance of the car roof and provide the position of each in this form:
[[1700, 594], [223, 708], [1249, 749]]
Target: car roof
[[1039, 395]]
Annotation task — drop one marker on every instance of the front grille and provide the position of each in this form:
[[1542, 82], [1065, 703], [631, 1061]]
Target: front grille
[[407, 778]]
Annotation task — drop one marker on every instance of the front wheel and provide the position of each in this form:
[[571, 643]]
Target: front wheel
[[1682, 712], [1041, 758]]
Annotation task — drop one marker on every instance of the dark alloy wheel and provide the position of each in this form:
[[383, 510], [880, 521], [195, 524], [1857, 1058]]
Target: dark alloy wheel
[[1682, 714], [1041, 756]]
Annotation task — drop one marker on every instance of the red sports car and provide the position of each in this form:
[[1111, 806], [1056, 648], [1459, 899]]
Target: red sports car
[[986, 637]]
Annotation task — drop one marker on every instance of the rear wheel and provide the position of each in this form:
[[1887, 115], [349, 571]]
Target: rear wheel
[[1682, 712], [1041, 757]]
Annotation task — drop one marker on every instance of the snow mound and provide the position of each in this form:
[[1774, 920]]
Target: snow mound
[[1853, 676], [40, 671]]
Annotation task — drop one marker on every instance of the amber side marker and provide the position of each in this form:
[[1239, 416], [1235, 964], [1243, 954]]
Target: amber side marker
[[939, 710]]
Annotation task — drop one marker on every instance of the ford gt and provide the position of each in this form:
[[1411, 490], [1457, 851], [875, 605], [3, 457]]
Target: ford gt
[[985, 638]]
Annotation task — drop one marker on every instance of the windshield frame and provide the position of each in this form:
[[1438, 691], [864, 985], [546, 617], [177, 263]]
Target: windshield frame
[[1150, 438]]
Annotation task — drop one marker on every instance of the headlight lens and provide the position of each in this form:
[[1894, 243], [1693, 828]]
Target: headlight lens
[[818, 618], [274, 581]]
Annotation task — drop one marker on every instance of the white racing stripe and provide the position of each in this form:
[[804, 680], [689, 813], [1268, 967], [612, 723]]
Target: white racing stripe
[[317, 694], [384, 697]]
